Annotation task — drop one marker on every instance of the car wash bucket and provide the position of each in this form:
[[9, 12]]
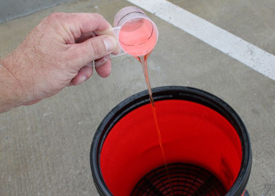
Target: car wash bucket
[[205, 142]]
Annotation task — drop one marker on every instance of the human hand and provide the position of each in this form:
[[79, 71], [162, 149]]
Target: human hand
[[57, 53]]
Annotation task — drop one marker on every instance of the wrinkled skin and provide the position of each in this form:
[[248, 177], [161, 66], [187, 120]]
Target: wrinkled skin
[[58, 52]]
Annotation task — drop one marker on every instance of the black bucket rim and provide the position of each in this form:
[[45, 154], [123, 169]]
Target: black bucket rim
[[166, 93]]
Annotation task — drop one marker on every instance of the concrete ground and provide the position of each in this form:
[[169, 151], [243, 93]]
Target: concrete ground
[[44, 148]]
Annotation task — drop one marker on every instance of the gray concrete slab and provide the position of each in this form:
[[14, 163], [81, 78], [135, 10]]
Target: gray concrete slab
[[250, 20], [44, 148], [16, 8]]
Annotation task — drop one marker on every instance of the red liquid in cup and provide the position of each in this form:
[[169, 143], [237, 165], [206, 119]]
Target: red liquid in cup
[[138, 36]]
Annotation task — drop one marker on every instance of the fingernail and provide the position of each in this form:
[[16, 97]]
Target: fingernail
[[103, 60], [82, 79], [110, 43]]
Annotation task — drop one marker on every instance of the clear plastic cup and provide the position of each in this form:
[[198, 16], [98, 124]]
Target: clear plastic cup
[[136, 33]]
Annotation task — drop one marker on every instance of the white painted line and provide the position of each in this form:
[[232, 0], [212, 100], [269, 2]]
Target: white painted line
[[233, 46]]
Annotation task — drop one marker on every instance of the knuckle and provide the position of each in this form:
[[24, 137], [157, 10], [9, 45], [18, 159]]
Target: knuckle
[[55, 16], [98, 15]]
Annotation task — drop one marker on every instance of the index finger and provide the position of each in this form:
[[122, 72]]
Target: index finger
[[77, 24], [88, 22]]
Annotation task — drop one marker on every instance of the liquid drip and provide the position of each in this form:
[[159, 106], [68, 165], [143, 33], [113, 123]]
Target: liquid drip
[[143, 61]]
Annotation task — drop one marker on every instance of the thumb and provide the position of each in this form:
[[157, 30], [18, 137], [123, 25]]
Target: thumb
[[94, 48]]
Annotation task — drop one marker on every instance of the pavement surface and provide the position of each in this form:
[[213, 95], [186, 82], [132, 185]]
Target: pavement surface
[[44, 148], [17, 8]]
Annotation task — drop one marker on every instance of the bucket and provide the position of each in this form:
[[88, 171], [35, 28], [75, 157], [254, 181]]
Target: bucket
[[205, 142]]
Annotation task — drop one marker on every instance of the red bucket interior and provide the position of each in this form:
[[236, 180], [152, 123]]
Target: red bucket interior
[[192, 133]]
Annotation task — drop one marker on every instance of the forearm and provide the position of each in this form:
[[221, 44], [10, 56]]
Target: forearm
[[10, 90]]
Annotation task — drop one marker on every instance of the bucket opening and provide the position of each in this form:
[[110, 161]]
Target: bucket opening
[[191, 133], [206, 146]]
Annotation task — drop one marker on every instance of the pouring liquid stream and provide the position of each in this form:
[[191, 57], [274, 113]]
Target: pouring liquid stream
[[143, 61]]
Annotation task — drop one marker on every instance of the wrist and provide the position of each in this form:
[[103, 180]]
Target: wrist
[[10, 87]]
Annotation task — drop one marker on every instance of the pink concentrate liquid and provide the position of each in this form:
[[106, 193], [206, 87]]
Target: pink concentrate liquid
[[143, 61], [138, 37]]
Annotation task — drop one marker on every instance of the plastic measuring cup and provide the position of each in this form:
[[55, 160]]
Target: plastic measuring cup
[[137, 35]]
